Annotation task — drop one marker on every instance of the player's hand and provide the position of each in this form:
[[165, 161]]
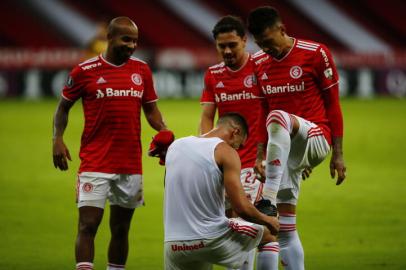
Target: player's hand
[[272, 224], [337, 165], [60, 154], [306, 173], [160, 144], [259, 170]]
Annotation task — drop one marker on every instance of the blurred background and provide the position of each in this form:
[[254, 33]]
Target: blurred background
[[41, 40]]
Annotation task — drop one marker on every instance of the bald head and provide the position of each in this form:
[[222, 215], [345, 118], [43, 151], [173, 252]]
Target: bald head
[[122, 37], [119, 24]]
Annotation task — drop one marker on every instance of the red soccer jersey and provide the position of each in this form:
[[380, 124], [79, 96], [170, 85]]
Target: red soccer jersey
[[111, 97], [236, 91], [295, 83]]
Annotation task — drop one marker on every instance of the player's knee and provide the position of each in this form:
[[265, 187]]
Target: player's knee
[[287, 200], [283, 207], [277, 119], [120, 230], [267, 237], [88, 227], [278, 112]]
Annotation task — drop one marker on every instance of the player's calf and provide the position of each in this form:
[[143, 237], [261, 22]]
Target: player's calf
[[279, 126]]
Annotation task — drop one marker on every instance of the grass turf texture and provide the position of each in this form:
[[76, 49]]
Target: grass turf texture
[[358, 225]]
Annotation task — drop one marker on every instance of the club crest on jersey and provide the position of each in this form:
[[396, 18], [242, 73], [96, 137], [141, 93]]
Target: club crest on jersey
[[249, 81], [136, 78], [69, 82], [296, 72], [87, 187]]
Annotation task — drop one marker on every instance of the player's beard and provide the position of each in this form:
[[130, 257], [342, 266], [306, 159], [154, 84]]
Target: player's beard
[[124, 53], [275, 53], [230, 61]]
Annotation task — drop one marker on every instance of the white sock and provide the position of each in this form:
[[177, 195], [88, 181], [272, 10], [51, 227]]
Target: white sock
[[84, 266], [267, 258], [279, 125], [292, 255], [112, 266], [248, 263]]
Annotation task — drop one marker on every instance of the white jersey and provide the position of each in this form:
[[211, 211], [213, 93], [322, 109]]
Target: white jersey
[[194, 191]]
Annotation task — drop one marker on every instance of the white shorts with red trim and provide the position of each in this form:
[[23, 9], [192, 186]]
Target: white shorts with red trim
[[229, 250], [252, 186], [94, 188], [308, 148]]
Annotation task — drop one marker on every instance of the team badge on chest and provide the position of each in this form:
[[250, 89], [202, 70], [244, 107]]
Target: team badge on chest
[[136, 78], [296, 72], [249, 81]]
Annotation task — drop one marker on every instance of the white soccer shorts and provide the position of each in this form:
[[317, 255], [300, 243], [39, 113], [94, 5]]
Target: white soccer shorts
[[252, 186], [229, 249], [308, 149], [94, 188]]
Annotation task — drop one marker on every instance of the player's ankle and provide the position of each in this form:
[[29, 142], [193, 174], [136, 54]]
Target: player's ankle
[[84, 266]]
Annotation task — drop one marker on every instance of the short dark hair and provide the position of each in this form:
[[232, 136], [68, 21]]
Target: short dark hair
[[236, 118], [261, 18], [228, 24]]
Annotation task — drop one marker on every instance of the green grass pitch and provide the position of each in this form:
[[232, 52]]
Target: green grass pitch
[[358, 225]]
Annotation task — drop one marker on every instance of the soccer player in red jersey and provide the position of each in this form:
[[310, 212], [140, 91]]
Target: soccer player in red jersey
[[230, 86], [113, 86], [300, 83]]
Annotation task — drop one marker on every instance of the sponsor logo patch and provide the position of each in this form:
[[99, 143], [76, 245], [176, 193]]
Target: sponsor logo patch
[[275, 162], [87, 67], [222, 97], [110, 92], [101, 80], [69, 81], [328, 73], [184, 247], [221, 70], [220, 85], [287, 88], [325, 58]]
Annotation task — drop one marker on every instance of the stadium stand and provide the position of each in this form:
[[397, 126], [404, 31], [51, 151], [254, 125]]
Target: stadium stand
[[342, 26], [386, 23], [41, 40], [22, 28], [392, 16], [161, 27], [296, 22], [158, 25]]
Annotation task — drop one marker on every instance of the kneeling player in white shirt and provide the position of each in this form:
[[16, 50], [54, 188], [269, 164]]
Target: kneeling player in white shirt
[[198, 172]]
